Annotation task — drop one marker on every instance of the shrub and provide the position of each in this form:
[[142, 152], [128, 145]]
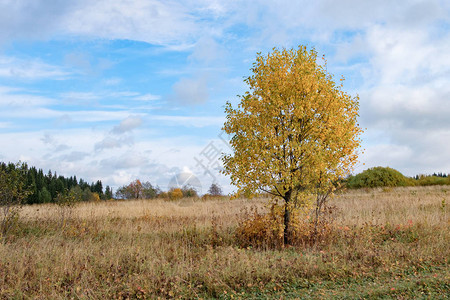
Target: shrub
[[189, 191], [432, 180], [265, 230], [12, 195], [175, 194], [379, 177], [66, 202], [260, 230], [163, 195]]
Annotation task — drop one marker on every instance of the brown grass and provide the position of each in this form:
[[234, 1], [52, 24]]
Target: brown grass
[[394, 205], [187, 249]]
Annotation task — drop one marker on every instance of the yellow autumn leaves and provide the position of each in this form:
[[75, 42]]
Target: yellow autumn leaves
[[294, 130]]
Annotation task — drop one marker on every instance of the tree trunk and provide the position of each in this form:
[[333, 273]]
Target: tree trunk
[[287, 218], [316, 220]]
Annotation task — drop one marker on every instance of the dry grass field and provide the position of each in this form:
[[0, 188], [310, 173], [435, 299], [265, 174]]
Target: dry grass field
[[383, 243]]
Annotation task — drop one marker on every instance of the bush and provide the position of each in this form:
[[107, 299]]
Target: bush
[[67, 201], [189, 191], [260, 230], [265, 230], [175, 194], [13, 192], [433, 180], [163, 195], [379, 177]]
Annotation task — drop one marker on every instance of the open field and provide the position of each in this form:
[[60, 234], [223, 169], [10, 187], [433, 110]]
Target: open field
[[390, 243]]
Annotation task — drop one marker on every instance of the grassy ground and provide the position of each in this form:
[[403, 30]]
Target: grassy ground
[[390, 243]]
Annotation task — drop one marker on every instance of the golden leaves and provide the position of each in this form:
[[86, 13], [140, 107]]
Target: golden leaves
[[294, 127]]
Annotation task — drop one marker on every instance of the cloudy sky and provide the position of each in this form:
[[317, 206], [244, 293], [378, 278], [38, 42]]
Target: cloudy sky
[[117, 90]]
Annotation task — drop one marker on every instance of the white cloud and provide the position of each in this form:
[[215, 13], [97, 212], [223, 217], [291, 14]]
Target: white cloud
[[110, 142], [189, 121], [207, 50], [127, 125], [36, 20], [80, 96], [74, 156], [5, 125], [61, 116], [156, 22], [128, 160], [147, 97], [406, 98], [14, 98], [190, 91], [112, 81], [31, 69]]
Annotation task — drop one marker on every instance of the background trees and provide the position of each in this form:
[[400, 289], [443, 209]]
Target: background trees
[[44, 188], [294, 133], [138, 190]]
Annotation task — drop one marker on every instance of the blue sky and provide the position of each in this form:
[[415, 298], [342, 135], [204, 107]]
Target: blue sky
[[118, 90]]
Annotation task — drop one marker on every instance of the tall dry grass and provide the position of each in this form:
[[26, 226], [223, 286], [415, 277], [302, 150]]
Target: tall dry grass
[[187, 249], [427, 205]]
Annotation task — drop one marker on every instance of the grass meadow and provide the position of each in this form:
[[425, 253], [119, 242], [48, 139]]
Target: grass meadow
[[382, 243]]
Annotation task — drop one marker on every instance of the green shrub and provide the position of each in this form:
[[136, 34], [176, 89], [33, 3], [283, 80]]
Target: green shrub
[[432, 180], [379, 177], [13, 192]]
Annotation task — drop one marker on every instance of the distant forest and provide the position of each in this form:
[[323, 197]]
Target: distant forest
[[44, 188]]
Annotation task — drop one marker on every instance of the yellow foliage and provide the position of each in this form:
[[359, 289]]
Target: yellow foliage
[[175, 194], [294, 130], [95, 197]]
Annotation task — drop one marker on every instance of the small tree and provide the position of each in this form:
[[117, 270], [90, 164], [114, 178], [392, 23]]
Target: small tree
[[189, 191], [12, 194], [134, 190], [294, 134], [149, 191], [44, 196], [66, 202], [175, 194], [86, 194], [215, 190], [108, 193]]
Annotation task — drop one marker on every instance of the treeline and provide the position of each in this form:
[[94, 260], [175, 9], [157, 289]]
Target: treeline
[[388, 177], [145, 190], [45, 188]]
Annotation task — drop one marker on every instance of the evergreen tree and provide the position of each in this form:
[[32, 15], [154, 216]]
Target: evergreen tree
[[108, 193], [44, 196], [98, 188]]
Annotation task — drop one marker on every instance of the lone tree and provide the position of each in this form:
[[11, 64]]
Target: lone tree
[[294, 133], [215, 190]]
